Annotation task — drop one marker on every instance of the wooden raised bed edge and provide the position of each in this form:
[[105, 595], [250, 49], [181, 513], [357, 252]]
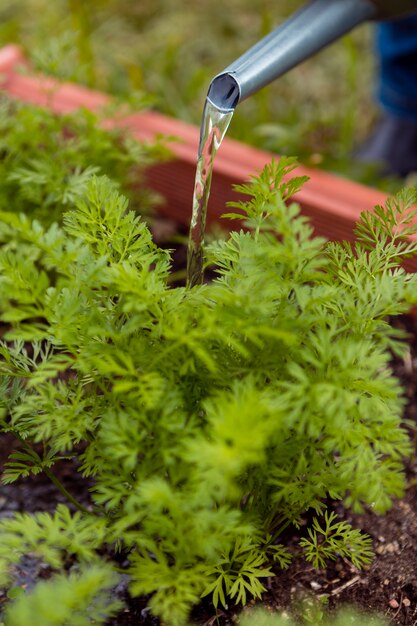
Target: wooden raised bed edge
[[331, 202]]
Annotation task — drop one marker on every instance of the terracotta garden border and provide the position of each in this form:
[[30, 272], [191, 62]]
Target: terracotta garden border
[[333, 203]]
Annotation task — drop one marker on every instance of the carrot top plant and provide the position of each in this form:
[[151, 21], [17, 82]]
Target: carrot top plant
[[207, 420], [47, 160]]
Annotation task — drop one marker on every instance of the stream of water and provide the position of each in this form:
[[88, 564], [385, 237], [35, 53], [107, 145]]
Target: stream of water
[[213, 128]]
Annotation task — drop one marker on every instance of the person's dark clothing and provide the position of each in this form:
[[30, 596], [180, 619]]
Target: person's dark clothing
[[394, 143]]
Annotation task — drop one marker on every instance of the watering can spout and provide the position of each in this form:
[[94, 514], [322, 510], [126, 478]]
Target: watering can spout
[[309, 30]]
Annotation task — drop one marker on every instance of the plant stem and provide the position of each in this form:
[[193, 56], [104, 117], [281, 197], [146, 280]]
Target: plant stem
[[64, 491], [276, 532], [51, 475]]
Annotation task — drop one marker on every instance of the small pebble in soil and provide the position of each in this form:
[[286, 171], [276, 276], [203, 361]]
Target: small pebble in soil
[[389, 548], [314, 585], [406, 602], [393, 603]]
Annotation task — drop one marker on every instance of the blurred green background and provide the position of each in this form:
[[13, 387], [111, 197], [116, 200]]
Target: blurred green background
[[170, 49]]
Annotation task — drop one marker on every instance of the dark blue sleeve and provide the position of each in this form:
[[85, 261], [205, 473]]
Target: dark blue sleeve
[[397, 51]]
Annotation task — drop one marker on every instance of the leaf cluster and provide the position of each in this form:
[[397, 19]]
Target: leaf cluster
[[333, 539], [47, 160], [50, 537], [80, 599], [207, 419]]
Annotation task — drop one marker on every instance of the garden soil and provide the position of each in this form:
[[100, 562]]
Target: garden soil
[[388, 586]]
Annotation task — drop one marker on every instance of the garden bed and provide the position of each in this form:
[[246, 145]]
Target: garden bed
[[388, 586]]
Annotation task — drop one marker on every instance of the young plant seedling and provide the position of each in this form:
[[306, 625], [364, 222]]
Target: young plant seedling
[[207, 420]]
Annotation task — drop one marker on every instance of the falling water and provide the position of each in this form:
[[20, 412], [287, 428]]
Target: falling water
[[213, 128]]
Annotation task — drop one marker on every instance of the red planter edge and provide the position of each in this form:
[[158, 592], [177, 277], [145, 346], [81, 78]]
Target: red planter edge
[[333, 203]]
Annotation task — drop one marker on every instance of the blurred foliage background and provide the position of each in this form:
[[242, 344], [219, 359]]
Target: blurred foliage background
[[170, 50]]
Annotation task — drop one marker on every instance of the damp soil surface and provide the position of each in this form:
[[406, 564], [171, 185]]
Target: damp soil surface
[[388, 586]]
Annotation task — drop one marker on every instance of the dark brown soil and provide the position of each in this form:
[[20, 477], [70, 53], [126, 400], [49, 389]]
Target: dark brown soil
[[389, 586]]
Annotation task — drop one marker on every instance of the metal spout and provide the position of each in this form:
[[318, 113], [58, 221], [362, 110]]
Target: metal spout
[[309, 30]]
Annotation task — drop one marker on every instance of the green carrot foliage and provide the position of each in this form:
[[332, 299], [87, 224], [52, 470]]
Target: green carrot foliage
[[207, 420], [47, 160]]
